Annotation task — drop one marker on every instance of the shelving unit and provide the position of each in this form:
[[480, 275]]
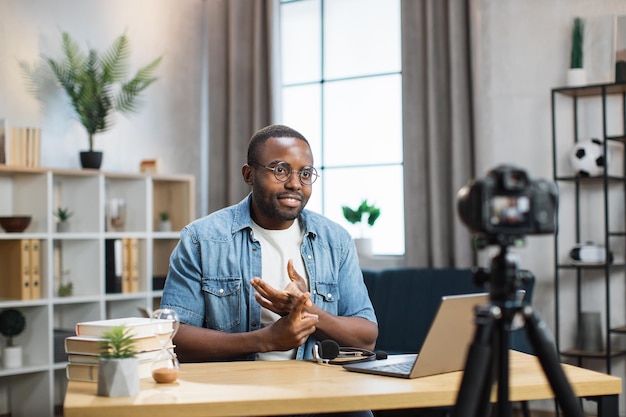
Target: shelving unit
[[39, 385], [590, 209]]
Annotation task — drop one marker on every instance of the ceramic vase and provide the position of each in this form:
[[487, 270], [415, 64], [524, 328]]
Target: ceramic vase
[[118, 377], [12, 357]]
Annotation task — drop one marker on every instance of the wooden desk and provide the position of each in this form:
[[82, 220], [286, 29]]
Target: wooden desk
[[295, 387]]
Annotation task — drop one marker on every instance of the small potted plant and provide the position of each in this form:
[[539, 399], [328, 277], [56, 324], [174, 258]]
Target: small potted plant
[[576, 76], [165, 225], [98, 85], [12, 323], [118, 369], [365, 214], [63, 215]]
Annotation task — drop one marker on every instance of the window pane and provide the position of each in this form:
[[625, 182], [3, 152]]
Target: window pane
[[363, 121], [302, 110], [361, 37], [383, 186], [300, 41]]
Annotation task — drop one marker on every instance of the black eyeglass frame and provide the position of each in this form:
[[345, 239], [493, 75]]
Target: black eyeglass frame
[[288, 168]]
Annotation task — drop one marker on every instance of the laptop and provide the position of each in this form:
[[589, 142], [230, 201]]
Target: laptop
[[445, 346]]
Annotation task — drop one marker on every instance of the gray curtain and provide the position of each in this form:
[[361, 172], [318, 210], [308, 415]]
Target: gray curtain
[[240, 99], [437, 113]]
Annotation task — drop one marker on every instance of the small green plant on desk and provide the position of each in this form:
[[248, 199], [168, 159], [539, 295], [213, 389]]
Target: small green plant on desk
[[118, 369]]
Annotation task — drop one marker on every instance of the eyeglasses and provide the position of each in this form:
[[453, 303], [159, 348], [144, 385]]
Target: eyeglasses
[[282, 172]]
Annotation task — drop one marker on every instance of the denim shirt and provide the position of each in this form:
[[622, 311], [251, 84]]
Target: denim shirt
[[208, 282]]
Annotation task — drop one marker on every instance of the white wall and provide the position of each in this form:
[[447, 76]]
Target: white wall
[[522, 53], [168, 125]]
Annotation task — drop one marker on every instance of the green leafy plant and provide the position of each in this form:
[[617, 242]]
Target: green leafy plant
[[357, 216], [164, 216], [96, 84], [63, 214], [65, 290], [576, 59], [12, 323], [117, 343]]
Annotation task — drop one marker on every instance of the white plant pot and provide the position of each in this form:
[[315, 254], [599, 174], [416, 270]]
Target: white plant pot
[[12, 357], [363, 246], [576, 77], [165, 226], [118, 377]]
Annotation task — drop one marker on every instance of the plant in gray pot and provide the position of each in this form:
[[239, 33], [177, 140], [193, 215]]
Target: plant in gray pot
[[97, 86], [63, 215], [12, 323], [118, 369], [364, 214]]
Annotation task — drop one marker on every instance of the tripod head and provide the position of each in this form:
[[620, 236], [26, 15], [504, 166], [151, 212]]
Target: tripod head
[[503, 278]]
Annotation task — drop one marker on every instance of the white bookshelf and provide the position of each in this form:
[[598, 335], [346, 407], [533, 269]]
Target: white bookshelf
[[39, 385]]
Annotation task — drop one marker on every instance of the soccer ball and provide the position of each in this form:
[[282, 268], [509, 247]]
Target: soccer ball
[[587, 158]]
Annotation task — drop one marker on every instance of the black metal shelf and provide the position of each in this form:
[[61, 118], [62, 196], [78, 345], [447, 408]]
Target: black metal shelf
[[607, 183]]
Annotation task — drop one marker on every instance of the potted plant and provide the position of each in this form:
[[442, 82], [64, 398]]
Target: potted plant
[[12, 323], [97, 86], [63, 215], [576, 75], [118, 369], [165, 225], [366, 215]]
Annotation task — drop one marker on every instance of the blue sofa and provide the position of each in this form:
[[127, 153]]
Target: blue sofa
[[406, 300]]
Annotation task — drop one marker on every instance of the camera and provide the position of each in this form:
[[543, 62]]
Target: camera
[[508, 202]]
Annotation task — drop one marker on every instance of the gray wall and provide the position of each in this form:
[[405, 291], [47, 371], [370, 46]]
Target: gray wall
[[521, 52], [168, 125]]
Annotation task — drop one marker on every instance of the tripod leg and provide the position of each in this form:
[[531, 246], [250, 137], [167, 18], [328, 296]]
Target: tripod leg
[[543, 343], [477, 379]]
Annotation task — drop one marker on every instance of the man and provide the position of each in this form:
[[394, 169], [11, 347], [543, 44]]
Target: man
[[266, 279]]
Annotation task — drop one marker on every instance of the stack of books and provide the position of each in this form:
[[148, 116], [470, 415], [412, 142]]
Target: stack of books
[[83, 351], [19, 146]]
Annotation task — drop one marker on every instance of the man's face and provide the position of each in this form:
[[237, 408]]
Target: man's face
[[276, 204]]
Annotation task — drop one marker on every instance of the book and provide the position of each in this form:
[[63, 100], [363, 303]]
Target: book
[[147, 355], [4, 143], [35, 269], [89, 345], [139, 326], [133, 264], [113, 265], [125, 265], [89, 372], [15, 271]]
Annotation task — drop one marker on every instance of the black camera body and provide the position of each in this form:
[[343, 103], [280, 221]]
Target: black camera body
[[507, 202]]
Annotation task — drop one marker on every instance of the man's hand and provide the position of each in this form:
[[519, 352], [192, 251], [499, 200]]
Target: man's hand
[[293, 329], [281, 302]]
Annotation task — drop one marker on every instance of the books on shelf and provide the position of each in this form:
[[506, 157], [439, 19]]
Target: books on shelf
[[20, 273], [139, 326], [122, 265], [19, 146]]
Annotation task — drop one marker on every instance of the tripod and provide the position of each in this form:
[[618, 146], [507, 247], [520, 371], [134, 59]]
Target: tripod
[[488, 356]]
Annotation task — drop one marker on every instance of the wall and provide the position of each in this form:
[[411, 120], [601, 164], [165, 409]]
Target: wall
[[168, 125], [521, 52]]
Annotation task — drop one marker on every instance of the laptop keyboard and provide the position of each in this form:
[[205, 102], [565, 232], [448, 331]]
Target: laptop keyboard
[[401, 367]]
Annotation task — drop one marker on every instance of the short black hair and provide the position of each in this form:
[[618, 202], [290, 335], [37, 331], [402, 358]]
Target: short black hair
[[272, 131]]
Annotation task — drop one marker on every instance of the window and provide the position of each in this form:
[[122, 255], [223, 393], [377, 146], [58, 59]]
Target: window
[[341, 88]]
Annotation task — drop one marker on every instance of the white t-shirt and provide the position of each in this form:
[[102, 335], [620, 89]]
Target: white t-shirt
[[277, 247]]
